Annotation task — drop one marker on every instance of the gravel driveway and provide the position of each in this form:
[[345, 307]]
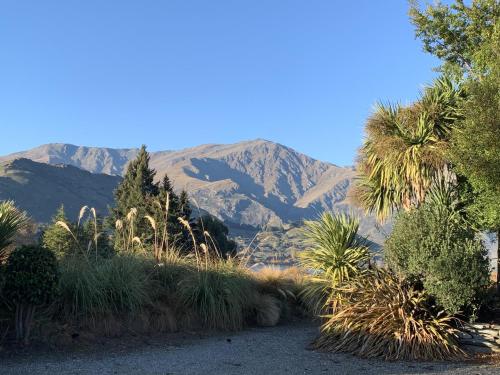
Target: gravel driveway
[[278, 350]]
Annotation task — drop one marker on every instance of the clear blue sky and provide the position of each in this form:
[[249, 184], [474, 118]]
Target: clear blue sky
[[178, 73]]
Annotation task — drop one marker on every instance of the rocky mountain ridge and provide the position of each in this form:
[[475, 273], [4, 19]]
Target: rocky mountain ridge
[[256, 183]]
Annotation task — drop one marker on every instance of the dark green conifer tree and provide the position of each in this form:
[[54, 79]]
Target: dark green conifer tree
[[217, 241], [87, 238], [56, 238], [185, 210], [137, 190], [174, 227]]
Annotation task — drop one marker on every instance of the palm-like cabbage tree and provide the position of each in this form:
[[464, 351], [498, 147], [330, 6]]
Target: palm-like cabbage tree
[[404, 149], [12, 220]]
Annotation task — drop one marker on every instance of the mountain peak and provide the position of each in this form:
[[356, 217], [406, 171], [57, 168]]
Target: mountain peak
[[255, 182]]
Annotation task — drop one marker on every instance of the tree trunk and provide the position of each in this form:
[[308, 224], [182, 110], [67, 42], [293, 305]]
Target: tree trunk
[[20, 311], [28, 322], [24, 321]]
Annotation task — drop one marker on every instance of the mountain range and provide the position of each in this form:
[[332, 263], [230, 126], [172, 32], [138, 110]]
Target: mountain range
[[253, 184]]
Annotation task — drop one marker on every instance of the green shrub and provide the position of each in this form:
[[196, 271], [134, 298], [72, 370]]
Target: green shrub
[[439, 249], [31, 279], [384, 317]]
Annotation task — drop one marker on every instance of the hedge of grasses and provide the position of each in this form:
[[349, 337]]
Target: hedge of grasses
[[364, 310], [134, 293]]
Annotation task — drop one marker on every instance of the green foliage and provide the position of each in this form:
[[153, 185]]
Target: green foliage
[[475, 150], [94, 239], [403, 150], [383, 316], [12, 220], [220, 294], [31, 276], [185, 211], [467, 39], [86, 236], [150, 200], [56, 238], [435, 245], [459, 276], [461, 35], [92, 289], [175, 230], [214, 233], [336, 255], [335, 248], [136, 191]]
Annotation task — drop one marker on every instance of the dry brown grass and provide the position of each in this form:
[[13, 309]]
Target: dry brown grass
[[282, 283], [381, 316]]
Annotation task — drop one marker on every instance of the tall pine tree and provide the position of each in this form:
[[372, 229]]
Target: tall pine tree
[[175, 229], [137, 190], [185, 210]]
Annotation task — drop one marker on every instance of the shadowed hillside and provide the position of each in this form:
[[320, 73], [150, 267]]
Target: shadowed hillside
[[254, 183], [40, 188]]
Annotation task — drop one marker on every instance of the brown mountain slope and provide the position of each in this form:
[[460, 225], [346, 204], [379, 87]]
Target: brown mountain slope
[[257, 183]]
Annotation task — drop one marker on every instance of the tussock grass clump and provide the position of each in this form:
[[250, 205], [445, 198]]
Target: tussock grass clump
[[285, 286], [92, 289], [268, 310], [220, 294], [382, 316], [282, 283]]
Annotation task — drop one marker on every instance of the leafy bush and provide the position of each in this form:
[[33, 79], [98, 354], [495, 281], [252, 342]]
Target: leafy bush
[[31, 279], [85, 236], [382, 316], [435, 246]]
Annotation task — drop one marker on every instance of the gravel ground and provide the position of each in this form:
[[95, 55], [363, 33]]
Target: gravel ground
[[278, 350]]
